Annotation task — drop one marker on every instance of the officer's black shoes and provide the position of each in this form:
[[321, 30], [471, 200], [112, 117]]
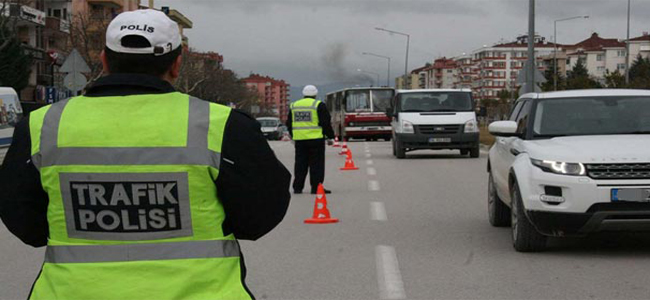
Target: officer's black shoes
[[313, 192]]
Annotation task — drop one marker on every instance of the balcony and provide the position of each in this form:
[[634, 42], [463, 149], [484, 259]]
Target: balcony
[[109, 3]]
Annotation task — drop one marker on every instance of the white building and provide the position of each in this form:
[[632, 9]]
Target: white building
[[599, 55]]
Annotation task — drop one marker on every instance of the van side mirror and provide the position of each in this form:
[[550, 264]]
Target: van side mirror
[[389, 112], [503, 128]]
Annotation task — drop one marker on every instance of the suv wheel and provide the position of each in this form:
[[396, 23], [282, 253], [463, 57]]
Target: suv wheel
[[475, 152], [464, 151], [498, 212], [525, 237]]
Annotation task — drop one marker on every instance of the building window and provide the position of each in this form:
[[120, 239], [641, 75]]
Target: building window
[[620, 67], [599, 57], [620, 53], [600, 69]]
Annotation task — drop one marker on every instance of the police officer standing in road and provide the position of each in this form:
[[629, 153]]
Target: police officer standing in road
[[310, 125], [139, 191]]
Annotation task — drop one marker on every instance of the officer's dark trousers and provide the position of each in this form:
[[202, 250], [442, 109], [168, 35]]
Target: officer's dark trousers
[[310, 157]]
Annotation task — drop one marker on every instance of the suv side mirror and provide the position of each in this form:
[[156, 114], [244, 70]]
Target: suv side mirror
[[503, 128]]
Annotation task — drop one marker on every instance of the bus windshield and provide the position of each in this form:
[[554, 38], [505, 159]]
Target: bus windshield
[[381, 100], [435, 101], [10, 111], [357, 101]]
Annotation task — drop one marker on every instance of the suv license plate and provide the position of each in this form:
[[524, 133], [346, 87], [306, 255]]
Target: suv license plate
[[439, 140], [634, 195]]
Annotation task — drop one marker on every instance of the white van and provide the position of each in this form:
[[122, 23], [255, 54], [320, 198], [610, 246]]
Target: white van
[[272, 128], [434, 119], [10, 113]]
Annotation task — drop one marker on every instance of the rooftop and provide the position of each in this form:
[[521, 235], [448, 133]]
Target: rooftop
[[433, 91]]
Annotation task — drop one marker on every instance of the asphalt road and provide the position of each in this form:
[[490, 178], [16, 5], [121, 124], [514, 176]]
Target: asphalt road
[[409, 229]]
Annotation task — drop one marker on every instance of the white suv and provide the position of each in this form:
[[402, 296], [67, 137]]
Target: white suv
[[571, 163]]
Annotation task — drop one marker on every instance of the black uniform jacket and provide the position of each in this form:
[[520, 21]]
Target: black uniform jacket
[[252, 184]]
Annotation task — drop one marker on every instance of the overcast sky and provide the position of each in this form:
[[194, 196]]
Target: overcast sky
[[321, 41]]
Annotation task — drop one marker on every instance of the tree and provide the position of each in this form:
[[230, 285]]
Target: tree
[[549, 85], [15, 62], [640, 73], [87, 35], [579, 78], [203, 77], [615, 80]]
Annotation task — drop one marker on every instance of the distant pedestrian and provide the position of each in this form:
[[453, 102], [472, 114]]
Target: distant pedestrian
[[139, 191], [309, 123]]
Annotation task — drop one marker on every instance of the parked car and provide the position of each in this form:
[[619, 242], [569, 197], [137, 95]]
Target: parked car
[[569, 164], [272, 128], [434, 119], [10, 113]]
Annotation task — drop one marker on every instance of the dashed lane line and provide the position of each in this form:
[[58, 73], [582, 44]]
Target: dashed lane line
[[378, 211], [373, 186], [369, 162], [371, 171], [388, 274], [368, 155]]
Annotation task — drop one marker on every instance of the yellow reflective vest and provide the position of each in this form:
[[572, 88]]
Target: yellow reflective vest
[[133, 211], [304, 114]]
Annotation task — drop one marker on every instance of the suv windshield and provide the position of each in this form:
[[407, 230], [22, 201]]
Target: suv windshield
[[592, 116], [268, 123], [435, 102]]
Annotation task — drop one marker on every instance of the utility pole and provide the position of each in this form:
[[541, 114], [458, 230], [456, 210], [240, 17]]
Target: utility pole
[[627, 45], [532, 65], [384, 57], [150, 4]]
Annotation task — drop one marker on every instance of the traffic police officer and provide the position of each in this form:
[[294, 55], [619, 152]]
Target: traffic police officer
[[139, 191], [310, 125]]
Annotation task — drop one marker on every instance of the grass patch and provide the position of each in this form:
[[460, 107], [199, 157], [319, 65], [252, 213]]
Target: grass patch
[[486, 138]]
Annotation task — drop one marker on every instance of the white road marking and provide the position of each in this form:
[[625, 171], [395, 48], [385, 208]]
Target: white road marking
[[369, 162], [388, 274], [368, 155], [378, 211], [373, 185], [367, 150], [371, 171]]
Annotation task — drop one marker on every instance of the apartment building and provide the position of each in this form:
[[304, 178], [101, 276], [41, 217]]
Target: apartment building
[[467, 71], [273, 94], [599, 55], [640, 46], [443, 74], [496, 67]]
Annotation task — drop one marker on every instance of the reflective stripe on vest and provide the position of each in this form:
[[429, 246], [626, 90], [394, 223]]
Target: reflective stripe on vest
[[196, 151], [304, 114], [138, 252]]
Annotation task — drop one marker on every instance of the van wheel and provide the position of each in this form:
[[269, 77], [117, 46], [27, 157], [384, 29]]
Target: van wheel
[[400, 152], [464, 151], [498, 212], [475, 152], [525, 237]]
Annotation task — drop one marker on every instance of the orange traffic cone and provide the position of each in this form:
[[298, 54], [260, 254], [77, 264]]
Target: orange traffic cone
[[336, 142], [349, 163], [321, 213], [344, 149]]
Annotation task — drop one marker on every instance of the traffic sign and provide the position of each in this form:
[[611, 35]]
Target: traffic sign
[[75, 82], [523, 75], [74, 64]]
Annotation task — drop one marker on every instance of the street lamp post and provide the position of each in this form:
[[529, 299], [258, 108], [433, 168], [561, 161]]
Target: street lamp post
[[555, 45], [627, 45], [408, 41], [384, 57], [372, 73]]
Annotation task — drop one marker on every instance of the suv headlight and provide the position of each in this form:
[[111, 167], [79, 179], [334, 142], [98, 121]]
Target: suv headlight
[[407, 127], [471, 126], [557, 167]]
